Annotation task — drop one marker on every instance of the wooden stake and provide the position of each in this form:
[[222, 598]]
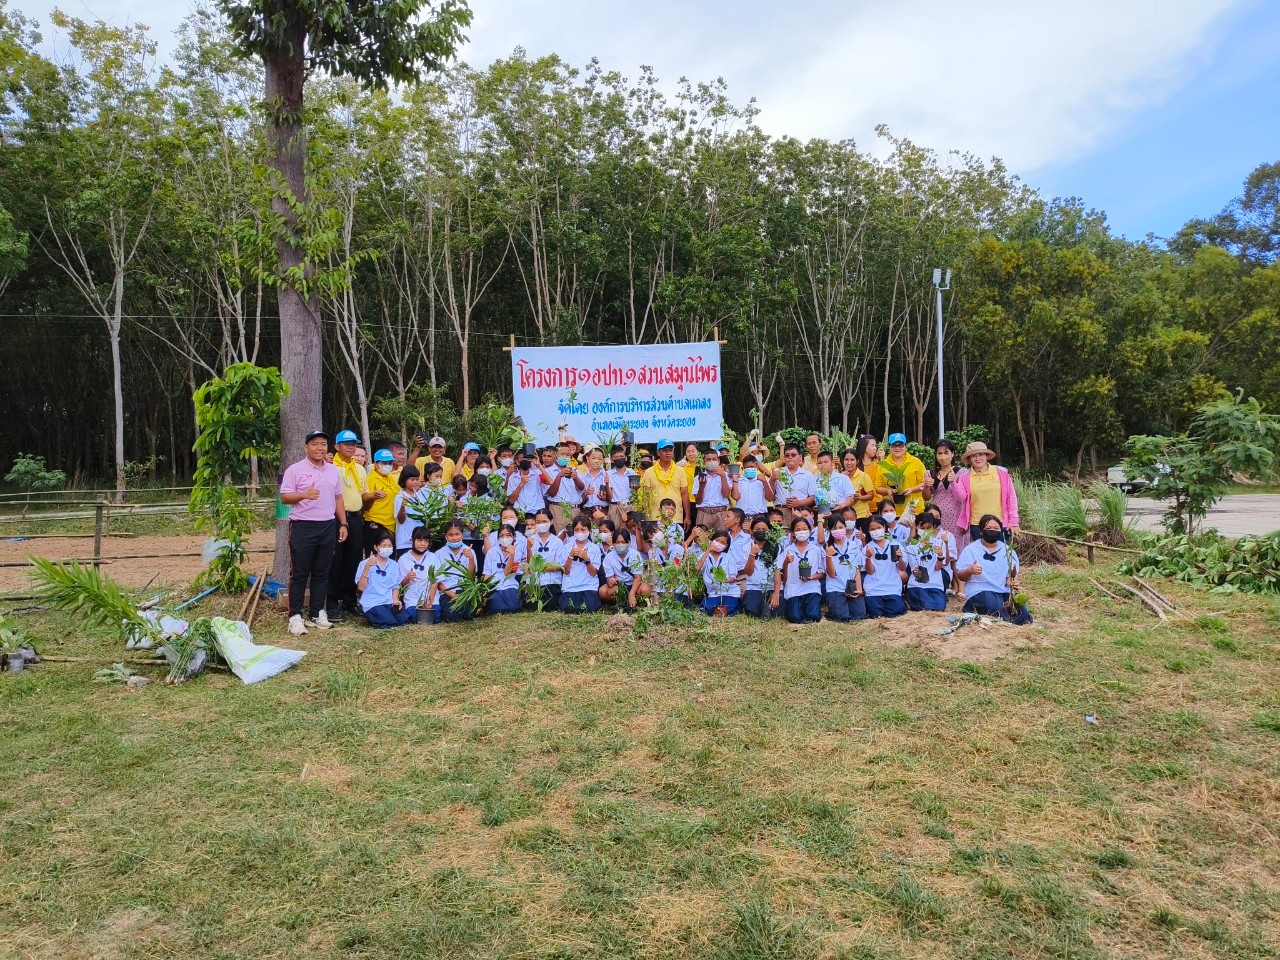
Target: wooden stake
[[715, 335], [511, 346], [1156, 594], [258, 596], [97, 532], [1151, 604], [1104, 590], [1089, 545]]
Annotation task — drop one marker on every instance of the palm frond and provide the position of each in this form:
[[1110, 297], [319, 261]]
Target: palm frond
[[89, 594]]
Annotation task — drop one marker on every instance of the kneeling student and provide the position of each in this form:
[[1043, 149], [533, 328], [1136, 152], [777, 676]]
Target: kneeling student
[[550, 550], [719, 570], [845, 601], [989, 569], [803, 592], [926, 564], [378, 580], [454, 552], [623, 565], [759, 583], [502, 566], [883, 572], [580, 592], [416, 575]]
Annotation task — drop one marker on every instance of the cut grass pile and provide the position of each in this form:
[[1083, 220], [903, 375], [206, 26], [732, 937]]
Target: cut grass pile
[[524, 788]]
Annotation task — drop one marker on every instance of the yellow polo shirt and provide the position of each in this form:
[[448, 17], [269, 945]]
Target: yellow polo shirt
[[382, 512], [662, 484], [446, 467], [912, 476], [984, 495], [354, 483], [863, 482]]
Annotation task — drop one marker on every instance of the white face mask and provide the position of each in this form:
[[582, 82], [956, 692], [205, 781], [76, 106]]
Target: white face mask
[[505, 541], [877, 534], [385, 552], [544, 528], [581, 537], [889, 517], [802, 536], [483, 471], [506, 461], [385, 468], [717, 546]]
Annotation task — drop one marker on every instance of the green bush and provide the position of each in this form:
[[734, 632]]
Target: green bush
[[1249, 565]]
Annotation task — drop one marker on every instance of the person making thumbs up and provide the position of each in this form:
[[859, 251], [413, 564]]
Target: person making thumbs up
[[312, 489]]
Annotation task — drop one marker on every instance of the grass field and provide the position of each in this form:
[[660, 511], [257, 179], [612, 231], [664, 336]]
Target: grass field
[[539, 787]]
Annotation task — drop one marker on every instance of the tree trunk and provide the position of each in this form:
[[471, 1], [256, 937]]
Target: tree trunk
[[301, 341], [1022, 432], [464, 348], [117, 379]]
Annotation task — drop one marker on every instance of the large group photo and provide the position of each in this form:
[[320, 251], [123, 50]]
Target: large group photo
[[484, 479]]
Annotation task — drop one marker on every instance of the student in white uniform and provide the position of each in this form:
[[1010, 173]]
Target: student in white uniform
[[754, 491], [564, 492], [544, 544], [593, 483], [883, 572], [845, 601], [527, 486], [926, 561], [759, 583], [502, 564], [803, 591], [719, 569], [580, 591], [713, 488], [895, 530], [664, 553], [378, 580], [989, 570], [410, 494], [447, 579], [623, 566], [618, 487], [831, 487], [416, 574]]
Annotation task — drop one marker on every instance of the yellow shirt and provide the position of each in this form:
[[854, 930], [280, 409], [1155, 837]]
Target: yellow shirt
[[446, 467], [912, 476], [354, 483], [863, 482], [382, 512], [659, 485], [984, 495]]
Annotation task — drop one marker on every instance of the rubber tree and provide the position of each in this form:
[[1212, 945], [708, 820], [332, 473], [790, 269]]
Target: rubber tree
[[375, 42]]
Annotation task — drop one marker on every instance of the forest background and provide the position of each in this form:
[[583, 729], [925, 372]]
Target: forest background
[[563, 205]]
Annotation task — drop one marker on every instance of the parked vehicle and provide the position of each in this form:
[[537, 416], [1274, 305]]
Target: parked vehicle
[[1117, 477]]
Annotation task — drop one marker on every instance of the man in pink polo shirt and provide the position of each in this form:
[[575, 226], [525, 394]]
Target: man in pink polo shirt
[[312, 489]]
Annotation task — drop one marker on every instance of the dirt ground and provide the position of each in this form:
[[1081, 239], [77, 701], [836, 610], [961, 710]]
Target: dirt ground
[[170, 571]]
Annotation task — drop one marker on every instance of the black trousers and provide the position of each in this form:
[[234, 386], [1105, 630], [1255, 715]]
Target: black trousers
[[345, 560], [311, 548]]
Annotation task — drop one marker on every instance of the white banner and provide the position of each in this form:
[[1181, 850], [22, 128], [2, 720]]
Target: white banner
[[657, 391]]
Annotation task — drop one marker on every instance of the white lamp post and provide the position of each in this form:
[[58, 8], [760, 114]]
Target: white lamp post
[[939, 284]]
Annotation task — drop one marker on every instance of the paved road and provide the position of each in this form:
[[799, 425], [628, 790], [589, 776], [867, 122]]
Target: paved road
[[1233, 516]]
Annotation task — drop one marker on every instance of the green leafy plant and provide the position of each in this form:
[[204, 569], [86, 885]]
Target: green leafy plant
[[91, 596], [238, 415], [30, 475], [1248, 565], [1113, 525], [531, 591], [473, 588], [1067, 514], [116, 673], [11, 638], [423, 409], [432, 509], [896, 476], [1229, 437], [492, 424]]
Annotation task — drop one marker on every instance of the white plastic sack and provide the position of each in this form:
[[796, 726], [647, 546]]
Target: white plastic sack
[[212, 548], [250, 661], [169, 627]]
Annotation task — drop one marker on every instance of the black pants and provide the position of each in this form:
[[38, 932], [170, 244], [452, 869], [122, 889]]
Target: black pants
[[345, 560], [311, 547]]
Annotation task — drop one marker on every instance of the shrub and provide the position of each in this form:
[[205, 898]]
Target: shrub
[[1249, 565]]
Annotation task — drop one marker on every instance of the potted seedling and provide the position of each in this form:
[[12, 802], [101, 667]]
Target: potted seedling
[[721, 580], [897, 477], [804, 568], [1017, 598]]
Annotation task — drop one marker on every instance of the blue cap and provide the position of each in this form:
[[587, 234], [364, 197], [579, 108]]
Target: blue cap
[[383, 456], [722, 446], [897, 438], [663, 444], [346, 436], [471, 446]]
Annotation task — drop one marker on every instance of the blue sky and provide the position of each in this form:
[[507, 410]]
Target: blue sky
[[1152, 110]]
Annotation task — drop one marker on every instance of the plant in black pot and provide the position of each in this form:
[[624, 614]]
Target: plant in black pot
[[805, 568], [897, 478]]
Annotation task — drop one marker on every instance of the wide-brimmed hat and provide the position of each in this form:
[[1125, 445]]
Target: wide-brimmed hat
[[976, 447]]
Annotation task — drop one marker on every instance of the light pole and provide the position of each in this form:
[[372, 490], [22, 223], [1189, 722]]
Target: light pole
[[940, 284]]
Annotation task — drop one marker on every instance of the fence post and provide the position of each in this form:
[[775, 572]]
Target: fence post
[[98, 511], [1089, 545]]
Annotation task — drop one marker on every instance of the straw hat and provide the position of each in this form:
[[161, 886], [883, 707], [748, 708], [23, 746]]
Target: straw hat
[[976, 447]]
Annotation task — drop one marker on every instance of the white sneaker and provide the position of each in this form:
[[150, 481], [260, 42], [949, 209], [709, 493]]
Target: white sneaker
[[296, 626], [321, 621]]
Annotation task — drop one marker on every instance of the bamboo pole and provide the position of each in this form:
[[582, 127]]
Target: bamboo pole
[[1104, 590], [1151, 604]]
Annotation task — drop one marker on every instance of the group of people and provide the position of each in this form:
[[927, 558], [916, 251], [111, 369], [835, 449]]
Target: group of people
[[856, 533]]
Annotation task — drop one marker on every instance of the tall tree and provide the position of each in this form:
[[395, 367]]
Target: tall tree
[[375, 42]]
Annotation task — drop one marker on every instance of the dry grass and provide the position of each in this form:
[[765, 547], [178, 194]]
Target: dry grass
[[523, 788]]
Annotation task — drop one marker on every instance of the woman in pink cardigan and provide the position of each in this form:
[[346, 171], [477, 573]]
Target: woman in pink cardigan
[[977, 457]]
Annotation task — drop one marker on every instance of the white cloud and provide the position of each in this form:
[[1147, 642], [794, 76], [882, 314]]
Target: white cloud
[[1034, 82]]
